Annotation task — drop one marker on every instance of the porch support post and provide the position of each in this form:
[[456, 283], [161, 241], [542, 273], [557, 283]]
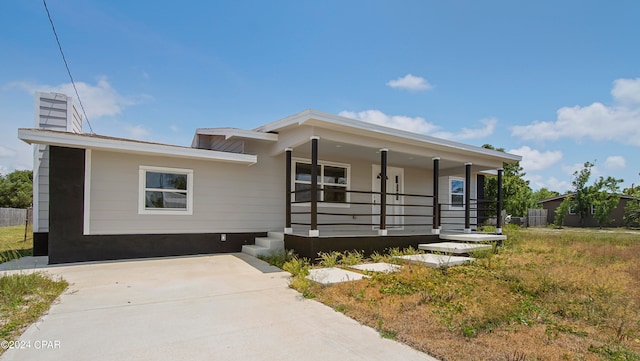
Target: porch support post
[[467, 198], [436, 202], [499, 204], [313, 231], [383, 192], [288, 229], [481, 208]]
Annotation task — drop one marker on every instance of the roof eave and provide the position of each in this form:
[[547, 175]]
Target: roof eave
[[84, 141], [317, 118]]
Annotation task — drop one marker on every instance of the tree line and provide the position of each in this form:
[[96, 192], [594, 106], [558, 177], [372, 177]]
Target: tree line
[[603, 194], [16, 189]]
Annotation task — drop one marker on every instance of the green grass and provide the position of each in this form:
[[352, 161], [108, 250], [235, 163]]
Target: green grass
[[23, 299], [13, 244]]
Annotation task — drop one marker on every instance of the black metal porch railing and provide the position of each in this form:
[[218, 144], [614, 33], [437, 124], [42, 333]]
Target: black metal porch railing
[[452, 216], [413, 206], [357, 208]]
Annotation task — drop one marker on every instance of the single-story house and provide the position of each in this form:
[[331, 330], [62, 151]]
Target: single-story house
[[98, 197], [572, 219]]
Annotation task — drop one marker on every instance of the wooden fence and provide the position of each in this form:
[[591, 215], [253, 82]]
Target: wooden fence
[[537, 217], [15, 216]]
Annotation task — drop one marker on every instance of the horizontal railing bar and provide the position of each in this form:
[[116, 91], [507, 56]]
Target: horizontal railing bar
[[347, 224], [347, 214]]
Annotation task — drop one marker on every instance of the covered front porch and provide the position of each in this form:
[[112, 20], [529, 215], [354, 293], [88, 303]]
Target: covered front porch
[[380, 199], [351, 184]]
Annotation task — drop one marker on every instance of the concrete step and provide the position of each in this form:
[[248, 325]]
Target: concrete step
[[276, 235], [266, 246], [454, 247], [437, 260], [472, 237], [271, 243], [255, 250]]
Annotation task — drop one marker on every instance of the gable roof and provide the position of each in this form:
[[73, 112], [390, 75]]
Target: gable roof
[[622, 196]]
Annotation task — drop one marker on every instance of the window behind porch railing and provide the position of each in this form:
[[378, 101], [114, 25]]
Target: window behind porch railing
[[359, 211]]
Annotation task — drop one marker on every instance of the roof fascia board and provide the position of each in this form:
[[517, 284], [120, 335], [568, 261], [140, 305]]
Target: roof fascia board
[[300, 135], [417, 139], [229, 133], [292, 139], [321, 120], [35, 136]]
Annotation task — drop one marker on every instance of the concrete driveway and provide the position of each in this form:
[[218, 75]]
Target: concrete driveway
[[219, 307]]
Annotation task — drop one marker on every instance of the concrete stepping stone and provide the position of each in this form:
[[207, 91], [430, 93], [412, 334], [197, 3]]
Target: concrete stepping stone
[[472, 237], [378, 267], [437, 260], [454, 247], [327, 276]]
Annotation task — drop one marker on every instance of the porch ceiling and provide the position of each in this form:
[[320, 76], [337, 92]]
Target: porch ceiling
[[333, 150]]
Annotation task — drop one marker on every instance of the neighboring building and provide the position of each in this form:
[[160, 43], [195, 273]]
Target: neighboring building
[[112, 198], [572, 219]]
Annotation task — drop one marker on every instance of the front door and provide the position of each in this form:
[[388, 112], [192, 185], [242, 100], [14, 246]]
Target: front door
[[395, 200]]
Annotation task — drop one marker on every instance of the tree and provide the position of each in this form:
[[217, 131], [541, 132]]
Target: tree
[[16, 189], [632, 209], [562, 211], [517, 196], [605, 195], [542, 194], [582, 194]]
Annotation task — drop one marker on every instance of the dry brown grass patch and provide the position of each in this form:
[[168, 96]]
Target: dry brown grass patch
[[546, 295]]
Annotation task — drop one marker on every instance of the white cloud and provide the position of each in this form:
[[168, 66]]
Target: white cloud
[[15, 154], [471, 133], [615, 162], [626, 90], [537, 181], [420, 125], [569, 169], [618, 123], [410, 82], [533, 159], [174, 128], [557, 185], [410, 124], [7, 152], [137, 131], [99, 100]]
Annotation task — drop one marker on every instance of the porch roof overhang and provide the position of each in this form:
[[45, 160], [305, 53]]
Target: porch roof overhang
[[100, 142], [345, 136], [234, 133]]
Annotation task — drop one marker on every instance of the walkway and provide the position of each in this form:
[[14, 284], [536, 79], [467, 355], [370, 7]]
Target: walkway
[[222, 307]]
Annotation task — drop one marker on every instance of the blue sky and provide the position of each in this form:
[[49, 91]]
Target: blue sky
[[557, 82]]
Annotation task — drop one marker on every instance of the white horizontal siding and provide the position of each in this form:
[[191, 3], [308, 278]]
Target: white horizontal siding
[[227, 197], [41, 189]]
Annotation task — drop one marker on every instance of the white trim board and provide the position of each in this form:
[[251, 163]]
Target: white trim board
[[84, 141]]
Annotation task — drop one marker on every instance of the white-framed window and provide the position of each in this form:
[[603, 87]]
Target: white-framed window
[[593, 209], [165, 190], [333, 181], [573, 209], [456, 192]]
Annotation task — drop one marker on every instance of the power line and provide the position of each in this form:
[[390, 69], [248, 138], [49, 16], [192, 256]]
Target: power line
[[66, 65]]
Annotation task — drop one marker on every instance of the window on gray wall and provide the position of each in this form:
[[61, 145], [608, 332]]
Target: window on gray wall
[[165, 190]]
